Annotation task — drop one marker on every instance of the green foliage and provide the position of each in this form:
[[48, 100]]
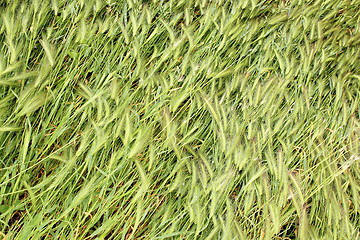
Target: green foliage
[[182, 119]]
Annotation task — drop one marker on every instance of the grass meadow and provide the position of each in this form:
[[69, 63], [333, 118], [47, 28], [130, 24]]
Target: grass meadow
[[180, 119]]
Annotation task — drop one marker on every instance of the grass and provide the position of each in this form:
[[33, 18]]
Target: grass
[[181, 119]]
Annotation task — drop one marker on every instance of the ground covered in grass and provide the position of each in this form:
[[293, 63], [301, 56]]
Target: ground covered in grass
[[187, 119]]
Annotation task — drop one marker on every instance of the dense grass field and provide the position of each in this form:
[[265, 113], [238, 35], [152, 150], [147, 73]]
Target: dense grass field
[[180, 119]]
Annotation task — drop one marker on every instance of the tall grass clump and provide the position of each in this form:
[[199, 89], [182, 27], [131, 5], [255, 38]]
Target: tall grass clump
[[179, 119]]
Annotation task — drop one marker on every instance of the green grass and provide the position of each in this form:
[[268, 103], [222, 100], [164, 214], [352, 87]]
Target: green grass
[[186, 119]]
